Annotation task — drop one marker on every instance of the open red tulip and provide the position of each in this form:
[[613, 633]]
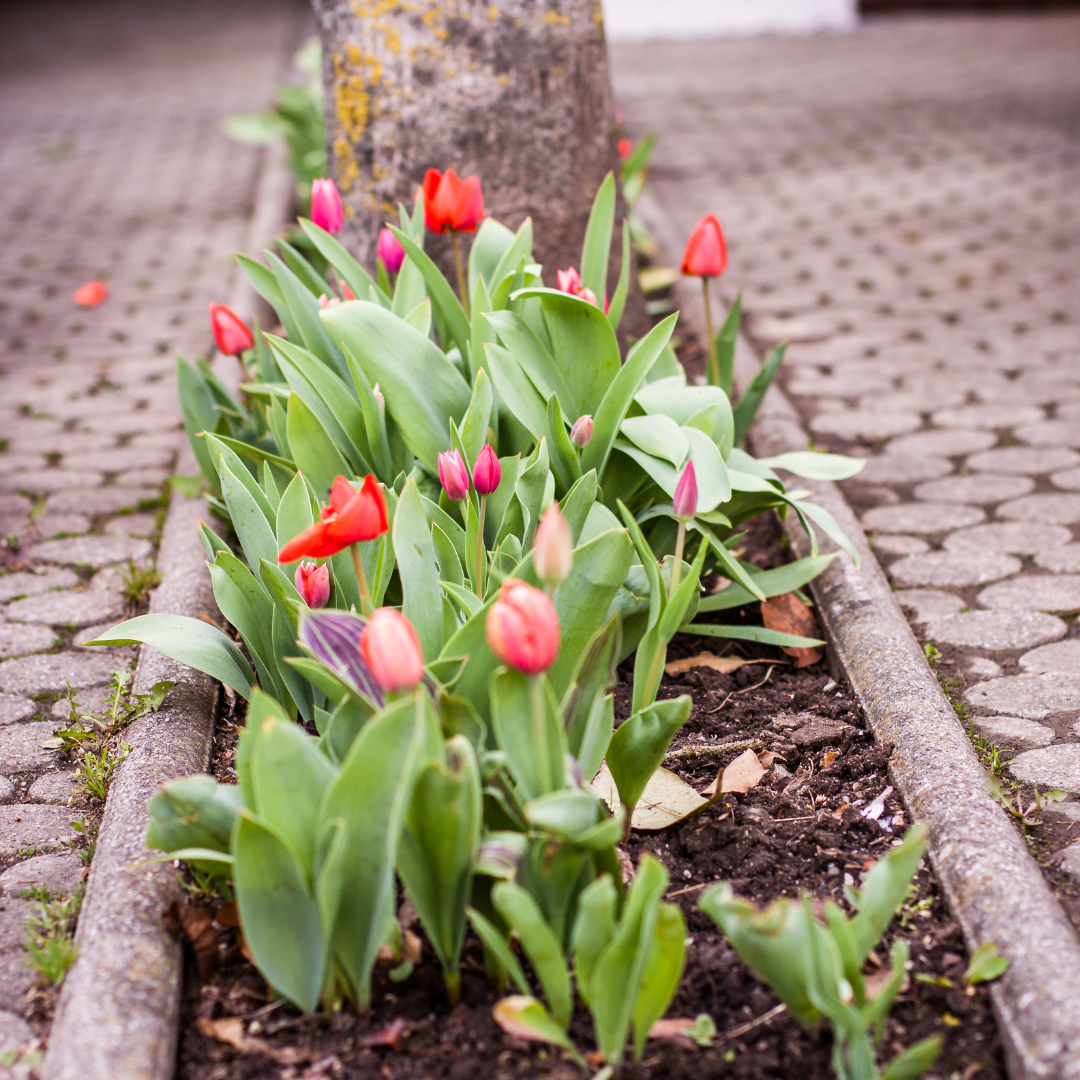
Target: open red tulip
[[351, 517], [451, 202]]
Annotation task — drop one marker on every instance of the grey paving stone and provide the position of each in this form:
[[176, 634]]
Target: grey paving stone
[[54, 671], [946, 443], [903, 469], [1069, 859], [1061, 656], [107, 500], [1062, 560], [7, 790], [17, 639], [995, 629], [1033, 697], [1024, 460], [43, 481], [982, 667], [1007, 537], [1014, 731], [89, 699], [132, 525], [1056, 767], [91, 550], [23, 583], [855, 424], [58, 873], [1062, 811], [16, 978], [921, 517], [988, 416], [53, 788], [124, 458], [51, 525], [1046, 509], [81, 607], [21, 749], [947, 569], [14, 708], [14, 505], [15, 1033], [27, 825], [898, 544], [1050, 433], [141, 477], [1034, 592], [929, 603], [1068, 479], [979, 488]]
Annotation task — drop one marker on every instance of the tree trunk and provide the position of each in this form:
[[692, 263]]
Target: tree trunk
[[516, 92]]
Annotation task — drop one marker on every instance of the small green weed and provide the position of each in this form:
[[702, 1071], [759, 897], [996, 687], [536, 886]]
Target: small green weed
[[96, 770], [138, 582], [50, 927], [27, 852]]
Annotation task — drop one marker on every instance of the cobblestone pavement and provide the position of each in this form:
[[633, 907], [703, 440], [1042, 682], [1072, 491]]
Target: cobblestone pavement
[[112, 167], [903, 205]]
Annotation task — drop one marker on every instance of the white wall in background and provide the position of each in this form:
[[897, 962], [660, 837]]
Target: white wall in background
[[638, 20]]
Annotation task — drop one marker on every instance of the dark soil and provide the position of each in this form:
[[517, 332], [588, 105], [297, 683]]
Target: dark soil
[[798, 832]]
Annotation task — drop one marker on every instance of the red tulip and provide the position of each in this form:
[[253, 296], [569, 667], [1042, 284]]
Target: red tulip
[[522, 628], [553, 547], [452, 203], [390, 648], [230, 331], [570, 282], [487, 472], [346, 292], [625, 146], [582, 431], [390, 251], [313, 583], [326, 209], [91, 294], [351, 517], [706, 250], [684, 501], [453, 475]]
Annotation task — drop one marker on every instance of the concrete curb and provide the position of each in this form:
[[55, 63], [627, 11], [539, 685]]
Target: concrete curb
[[993, 885], [119, 1009]]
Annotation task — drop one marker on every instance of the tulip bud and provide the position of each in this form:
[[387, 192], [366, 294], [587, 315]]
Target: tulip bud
[[453, 475], [379, 397], [706, 250], [553, 547], [390, 251], [522, 628], [328, 302], [684, 501], [326, 209], [390, 648], [313, 583], [625, 146], [91, 294], [346, 292], [487, 472], [582, 431], [230, 331]]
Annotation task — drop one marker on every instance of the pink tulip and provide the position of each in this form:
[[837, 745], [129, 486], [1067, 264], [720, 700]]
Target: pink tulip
[[390, 251], [684, 501], [453, 475], [328, 302], [553, 547], [313, 583], [487, 472], [390, 648], [522, 628], [582, 431], [326, 209], [570, 282]]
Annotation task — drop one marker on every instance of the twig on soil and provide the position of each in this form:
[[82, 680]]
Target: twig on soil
[[744, 690], [734, 1033], [689, 888], [711, 749]]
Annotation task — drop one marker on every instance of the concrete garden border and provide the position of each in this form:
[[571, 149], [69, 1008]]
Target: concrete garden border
[[993, 886], [119, 1009]]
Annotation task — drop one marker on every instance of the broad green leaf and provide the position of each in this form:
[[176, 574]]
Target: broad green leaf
[[664, 965], [314, 451], [188, 641], [577, 504], [520, 251], [278, 913], [305, 313], [254, 528], [915, 1060], [985, 965], [420, 317], [535, 360], [531, 488], [200, 414], [828, 524], [755, 393], [294, 514], [447, 558], [622, 290], [283, 635], [496, 944], [714, 484], [751, 633], [783, 579], [517, 394], [266, 285], [491, 242], [415, 556], [725, 345], [658, 435], [474, 427], [564, 458], [594, 675], [358, 279], [374, 420], [316, 285], [195, 812], [525, 722], [816, 466], [673, 397], [524, 1017], [596, 249], [639, 744], [593, 930]]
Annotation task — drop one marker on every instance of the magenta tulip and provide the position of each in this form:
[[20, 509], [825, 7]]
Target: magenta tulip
[[453, 475], [390, 251], [313, 583], [487, 472], [326, 209]]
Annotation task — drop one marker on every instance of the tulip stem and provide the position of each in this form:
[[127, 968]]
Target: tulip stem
[[361, 580], [536, 703], [714, 363], [479, 583], [676, 568], [462, 289]]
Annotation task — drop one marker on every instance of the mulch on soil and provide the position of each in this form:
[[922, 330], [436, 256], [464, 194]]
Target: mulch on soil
[[799, 831]]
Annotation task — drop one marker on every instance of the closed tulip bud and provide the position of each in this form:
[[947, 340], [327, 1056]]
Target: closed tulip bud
[[379, 397], [326, 209], [230, 331], [684, 501], [313, 583], [346, 292], [553, 547], [487, 472], [91, 294], [328, 301], [390, 648], [706, 250], [522, 628], [453, 475], [390, 251], [582, 431], [625, 146]]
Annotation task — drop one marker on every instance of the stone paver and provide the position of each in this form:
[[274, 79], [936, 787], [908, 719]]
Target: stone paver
[[59, 873], [1052, 766], [21, 750], [67, 608], [28, 825], [53, 788], [22, 583], [17, 639], [916, 243], [14, 708], [95, 551], [1061, 656], [55, 671], [1014, 731]]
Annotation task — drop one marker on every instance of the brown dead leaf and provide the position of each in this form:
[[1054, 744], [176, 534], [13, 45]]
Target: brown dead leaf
[[667, 799], [195, 923], [767, 757], [229, 1030], [742, 774], [789, 615], [828, 758], [723, 664], [391, 1035], [412, 948], [674, 1027], [227, 916]]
